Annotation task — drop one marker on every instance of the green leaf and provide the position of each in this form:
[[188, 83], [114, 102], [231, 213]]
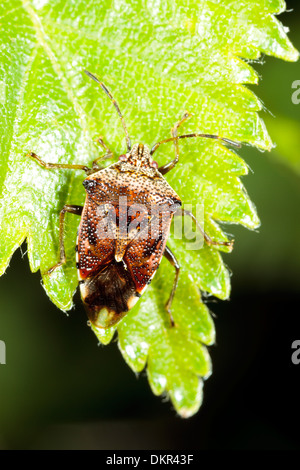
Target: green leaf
[[159, 58]]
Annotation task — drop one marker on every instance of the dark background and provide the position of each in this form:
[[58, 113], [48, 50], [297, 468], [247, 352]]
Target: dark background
[[59, 390]]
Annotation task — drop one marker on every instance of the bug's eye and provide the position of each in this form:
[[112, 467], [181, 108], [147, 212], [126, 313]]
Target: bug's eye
[[154, 164], [122, 158]]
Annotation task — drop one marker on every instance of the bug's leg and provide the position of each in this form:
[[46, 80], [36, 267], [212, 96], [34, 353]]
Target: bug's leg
[[206, 237], [169, 166], [172, 259], [77, 210], [50, 166], [108, 154]]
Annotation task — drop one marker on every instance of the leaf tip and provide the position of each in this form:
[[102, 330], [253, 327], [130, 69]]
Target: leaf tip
[[187, 409], [104, 335]]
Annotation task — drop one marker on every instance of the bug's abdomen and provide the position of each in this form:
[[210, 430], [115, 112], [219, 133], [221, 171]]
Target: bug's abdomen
[[121, 240], [143, 257], [96, 241]]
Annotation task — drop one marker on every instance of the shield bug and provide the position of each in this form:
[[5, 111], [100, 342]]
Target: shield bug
[[125, 224]]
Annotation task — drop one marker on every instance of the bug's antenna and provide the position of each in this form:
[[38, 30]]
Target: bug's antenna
[[208, 136], [128, 141]]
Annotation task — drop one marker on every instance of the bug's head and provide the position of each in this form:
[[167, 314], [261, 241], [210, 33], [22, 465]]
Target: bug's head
[[139, 156]]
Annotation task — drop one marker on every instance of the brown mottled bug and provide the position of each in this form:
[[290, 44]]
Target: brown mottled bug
[[116, 255]]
